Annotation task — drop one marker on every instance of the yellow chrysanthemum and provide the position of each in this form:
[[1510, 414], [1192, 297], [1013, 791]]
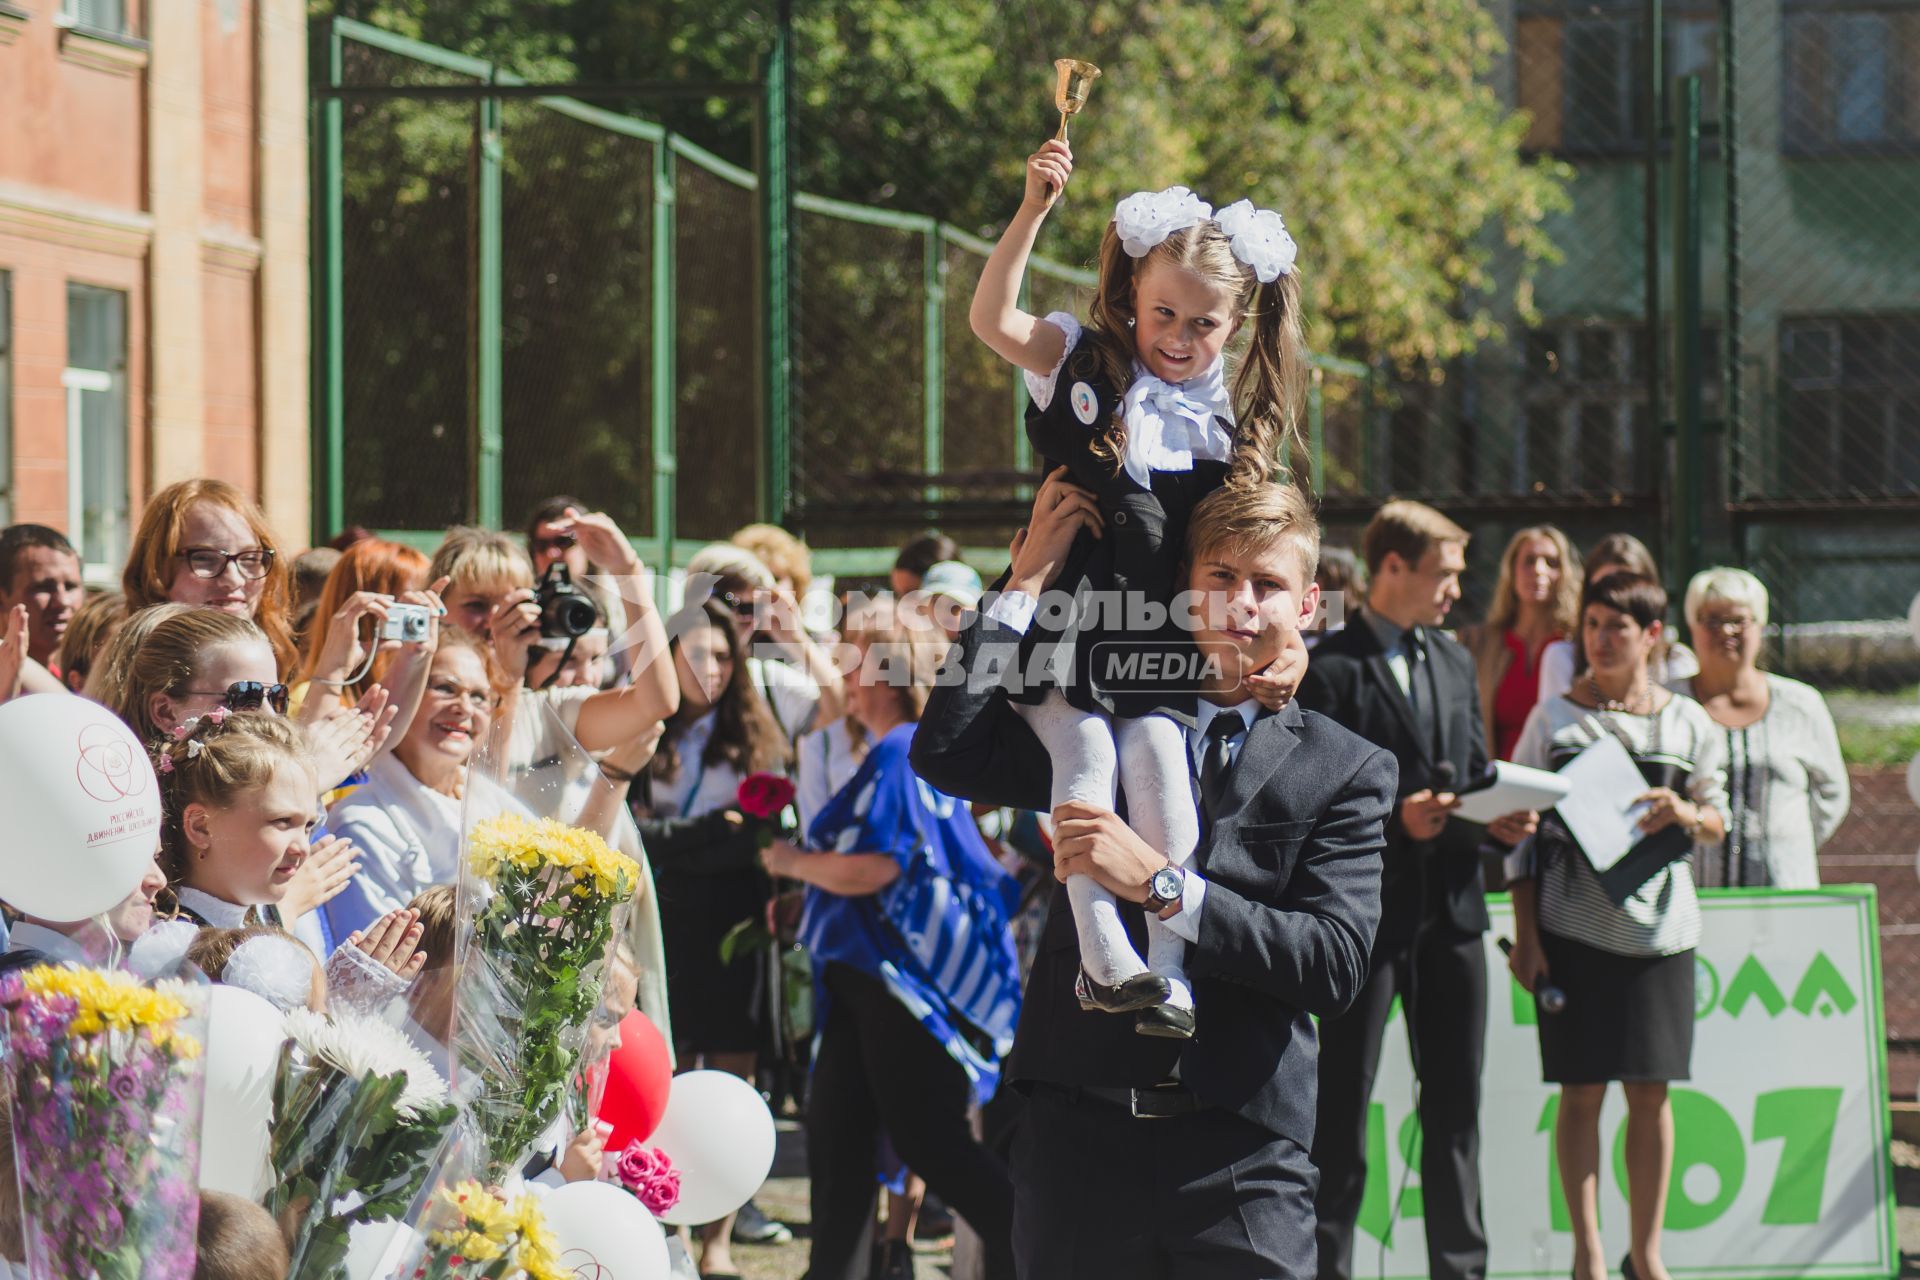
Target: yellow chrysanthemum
[[534, 846], [115, 1001]]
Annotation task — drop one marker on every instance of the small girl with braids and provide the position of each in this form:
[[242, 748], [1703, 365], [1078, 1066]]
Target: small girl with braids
[[240, 810], [1138, 407]]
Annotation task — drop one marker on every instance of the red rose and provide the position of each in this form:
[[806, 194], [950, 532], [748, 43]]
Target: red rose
[[650, 1176], [764, 795]]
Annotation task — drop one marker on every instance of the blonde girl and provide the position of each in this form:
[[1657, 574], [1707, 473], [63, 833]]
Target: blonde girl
[[241, 805], [1137, 405]]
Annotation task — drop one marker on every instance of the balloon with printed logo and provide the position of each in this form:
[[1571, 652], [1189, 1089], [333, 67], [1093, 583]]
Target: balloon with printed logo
[[601, 1231], [639, 1077], [719, 1135], [82, 806], [244, 1037]]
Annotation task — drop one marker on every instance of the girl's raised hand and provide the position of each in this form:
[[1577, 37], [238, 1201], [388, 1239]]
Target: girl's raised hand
[[329, 868], [1047, 172], [390, 941]]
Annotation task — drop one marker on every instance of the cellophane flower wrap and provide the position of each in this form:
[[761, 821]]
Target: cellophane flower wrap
[[106, 1076], [359, 1116], [546, 901], [473, 1231]]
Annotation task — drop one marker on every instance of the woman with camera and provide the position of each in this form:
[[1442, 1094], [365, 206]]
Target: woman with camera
[[1621, 953], [491, 593], [344, 656]]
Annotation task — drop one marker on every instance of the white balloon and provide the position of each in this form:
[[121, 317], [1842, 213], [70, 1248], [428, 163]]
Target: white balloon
[[604, 1232], [1913, 618], [719, 1134], [82, 807], [244, 1036]]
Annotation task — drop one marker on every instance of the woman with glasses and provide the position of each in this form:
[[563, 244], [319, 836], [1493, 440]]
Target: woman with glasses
[[799, 679], [203, 542], [1787, 788], [406, 819]]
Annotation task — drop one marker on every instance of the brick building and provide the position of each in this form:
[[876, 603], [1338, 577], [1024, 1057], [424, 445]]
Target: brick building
[[153, 259]]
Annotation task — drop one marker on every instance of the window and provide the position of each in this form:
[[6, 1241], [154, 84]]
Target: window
[[1852, 85], [110, 17], [6, 399], [1581, 75], [1850, 404], [96, 386], [1584, 424]]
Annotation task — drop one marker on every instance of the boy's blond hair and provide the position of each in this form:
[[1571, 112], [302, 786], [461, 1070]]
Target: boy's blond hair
[[479, 559], [1243, 519]]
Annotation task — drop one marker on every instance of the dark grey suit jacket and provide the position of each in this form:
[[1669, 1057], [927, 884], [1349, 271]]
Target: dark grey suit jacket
[[1292, 865]]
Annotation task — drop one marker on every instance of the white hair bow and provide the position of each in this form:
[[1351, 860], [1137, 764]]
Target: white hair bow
[[1260, 239], [1146, 218]]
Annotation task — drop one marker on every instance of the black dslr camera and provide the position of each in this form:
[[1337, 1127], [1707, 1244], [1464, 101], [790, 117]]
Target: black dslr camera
[[566, 612]]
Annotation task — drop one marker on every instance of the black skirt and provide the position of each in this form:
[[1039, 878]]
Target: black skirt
[[1628, 1018], [718, 1007]]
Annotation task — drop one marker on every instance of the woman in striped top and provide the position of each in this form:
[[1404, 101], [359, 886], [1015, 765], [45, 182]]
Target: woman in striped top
[[1622, 954]]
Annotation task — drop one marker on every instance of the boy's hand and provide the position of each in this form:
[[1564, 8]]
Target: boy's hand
[[1047, 172]]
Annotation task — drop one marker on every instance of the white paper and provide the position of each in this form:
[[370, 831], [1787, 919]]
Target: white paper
[[1599, 809], [1516, 788]]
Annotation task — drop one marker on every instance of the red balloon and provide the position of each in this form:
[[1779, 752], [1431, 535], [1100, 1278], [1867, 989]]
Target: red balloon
[[638, 1077]]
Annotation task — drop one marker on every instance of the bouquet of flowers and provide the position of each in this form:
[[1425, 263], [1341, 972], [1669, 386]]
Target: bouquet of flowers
[[106, 1082], [649, 1175], [540, 905], [358, 1116], [474, 1232]]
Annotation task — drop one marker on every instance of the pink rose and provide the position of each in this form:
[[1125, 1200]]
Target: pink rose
[[650, 1176]]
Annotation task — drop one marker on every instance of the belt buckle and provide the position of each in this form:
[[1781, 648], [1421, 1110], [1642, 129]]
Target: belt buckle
[[1133, 1105]]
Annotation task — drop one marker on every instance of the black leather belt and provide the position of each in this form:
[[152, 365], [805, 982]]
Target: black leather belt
[[1160, 1103]]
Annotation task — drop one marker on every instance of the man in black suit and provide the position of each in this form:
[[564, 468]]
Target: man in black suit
[[1395, 680], [1149, 1157]]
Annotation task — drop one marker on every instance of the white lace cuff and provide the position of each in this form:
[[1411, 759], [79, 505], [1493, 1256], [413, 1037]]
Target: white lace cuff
[[357, 983], [1013, 609], [1041, 389]]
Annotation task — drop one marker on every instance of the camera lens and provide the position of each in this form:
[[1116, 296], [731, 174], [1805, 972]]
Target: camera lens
[[567, 615]]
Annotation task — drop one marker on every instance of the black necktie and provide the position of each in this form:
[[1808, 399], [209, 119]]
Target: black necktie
[[1417, 692], [1216, 757]]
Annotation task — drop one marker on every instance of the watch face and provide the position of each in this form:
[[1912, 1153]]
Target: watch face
[[1165, 884]]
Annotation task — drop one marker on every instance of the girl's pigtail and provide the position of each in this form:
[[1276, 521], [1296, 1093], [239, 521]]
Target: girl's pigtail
[[1270, 387], [1111, 339]]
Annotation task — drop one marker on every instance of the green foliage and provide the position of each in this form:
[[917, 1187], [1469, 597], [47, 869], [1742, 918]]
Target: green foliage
[[1375, 128]]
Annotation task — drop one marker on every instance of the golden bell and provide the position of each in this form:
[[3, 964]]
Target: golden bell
[[1073, 83]]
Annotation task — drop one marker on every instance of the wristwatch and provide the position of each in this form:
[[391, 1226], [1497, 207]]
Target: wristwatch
[[1165, 888]]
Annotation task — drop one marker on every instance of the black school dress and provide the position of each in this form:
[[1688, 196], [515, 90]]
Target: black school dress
[[1100, 657]]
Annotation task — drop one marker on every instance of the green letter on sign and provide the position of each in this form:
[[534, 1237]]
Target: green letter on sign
[[1703, 1133], [1803, 1120]]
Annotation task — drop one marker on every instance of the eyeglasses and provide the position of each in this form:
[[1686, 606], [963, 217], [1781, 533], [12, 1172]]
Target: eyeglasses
[[211, 562], [248, 695], [741, 605], [557, 542], [478, 699]]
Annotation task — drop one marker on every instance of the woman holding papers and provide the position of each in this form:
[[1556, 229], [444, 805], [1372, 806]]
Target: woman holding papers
[[1605, 907]]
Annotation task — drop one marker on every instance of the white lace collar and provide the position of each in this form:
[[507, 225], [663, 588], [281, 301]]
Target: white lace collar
[[1169, 424]]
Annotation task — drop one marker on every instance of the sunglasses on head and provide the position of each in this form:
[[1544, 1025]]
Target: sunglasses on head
[[742, 605], [251, 695]]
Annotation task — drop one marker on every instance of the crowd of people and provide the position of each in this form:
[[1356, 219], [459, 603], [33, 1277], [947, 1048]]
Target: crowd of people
[[1290, 852]]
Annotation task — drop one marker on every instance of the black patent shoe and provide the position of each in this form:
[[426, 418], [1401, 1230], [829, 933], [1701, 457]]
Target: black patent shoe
[[1164, 1022], [1139, 992]]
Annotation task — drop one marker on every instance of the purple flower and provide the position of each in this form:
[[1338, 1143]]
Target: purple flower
[[650, 1176], [125, 1084]]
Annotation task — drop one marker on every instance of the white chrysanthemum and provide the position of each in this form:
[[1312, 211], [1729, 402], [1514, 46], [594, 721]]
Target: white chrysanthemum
[[358, 1046], [1260, 239], [1146, 218]]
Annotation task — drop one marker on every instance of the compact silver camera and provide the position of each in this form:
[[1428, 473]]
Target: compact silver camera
[[406, 623]]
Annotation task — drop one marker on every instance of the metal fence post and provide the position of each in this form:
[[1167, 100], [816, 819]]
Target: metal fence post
[[1732, 393], [1316, 431], [329, 332], [1653, 57], [773, 134], [933, 296], [1689, 489], [487, 480], [665, 373]]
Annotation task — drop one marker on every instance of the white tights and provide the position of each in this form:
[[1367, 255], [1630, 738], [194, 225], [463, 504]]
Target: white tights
[[1093, 758]]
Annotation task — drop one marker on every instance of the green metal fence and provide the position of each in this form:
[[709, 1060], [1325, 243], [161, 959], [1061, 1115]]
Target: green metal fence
[[521, 294]]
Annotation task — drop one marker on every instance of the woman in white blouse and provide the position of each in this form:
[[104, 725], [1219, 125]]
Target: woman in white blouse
[[1787, 789], [1560, 664]]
